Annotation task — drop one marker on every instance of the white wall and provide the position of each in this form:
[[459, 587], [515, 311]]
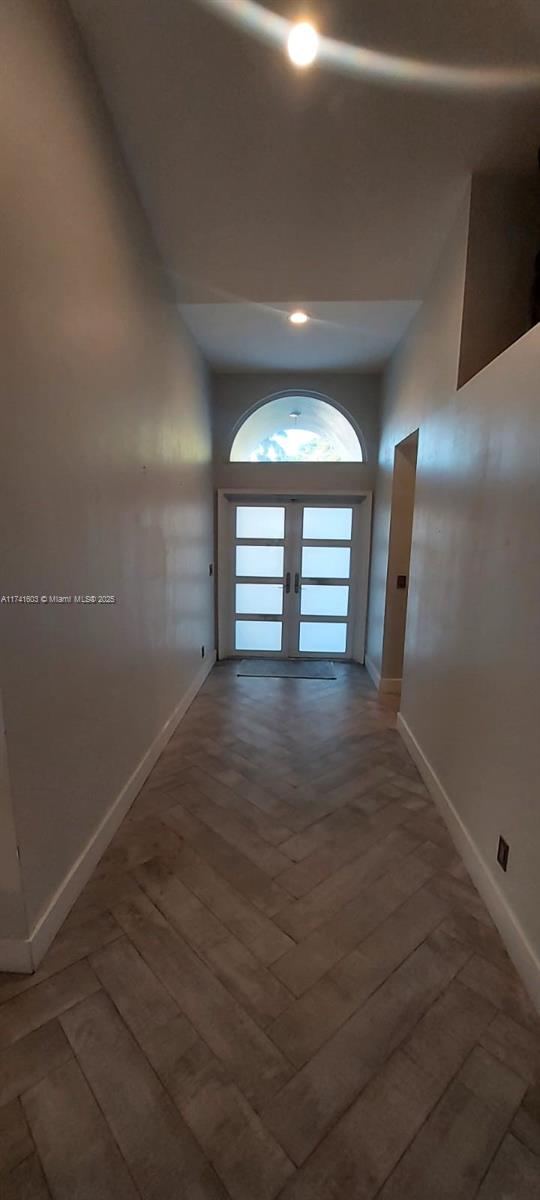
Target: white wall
[[105, 472], [236, 393], [470, 685], [12, 909], [421, 378]]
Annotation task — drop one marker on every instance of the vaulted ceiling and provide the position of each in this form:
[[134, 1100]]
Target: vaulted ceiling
[[265, 185]]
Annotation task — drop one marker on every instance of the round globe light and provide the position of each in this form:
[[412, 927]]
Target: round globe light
[[303, 44]]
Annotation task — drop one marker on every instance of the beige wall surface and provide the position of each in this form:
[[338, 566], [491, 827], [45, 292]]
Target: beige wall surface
[[105, 471], [12, 909], [235, 394], [470, 680], [421, 378]]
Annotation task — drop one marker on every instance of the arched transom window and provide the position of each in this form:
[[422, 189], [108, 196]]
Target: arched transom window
[[297, 429]]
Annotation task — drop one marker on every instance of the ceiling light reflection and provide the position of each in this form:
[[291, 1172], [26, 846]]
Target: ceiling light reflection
[[391, 69]]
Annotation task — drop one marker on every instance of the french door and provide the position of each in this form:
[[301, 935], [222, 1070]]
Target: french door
[[292, 578]]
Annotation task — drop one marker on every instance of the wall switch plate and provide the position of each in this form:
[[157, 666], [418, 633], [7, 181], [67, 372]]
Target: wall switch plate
[[503, 850]]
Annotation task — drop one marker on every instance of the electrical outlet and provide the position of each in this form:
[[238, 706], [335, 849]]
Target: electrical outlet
[[503, 850], [203, 651]]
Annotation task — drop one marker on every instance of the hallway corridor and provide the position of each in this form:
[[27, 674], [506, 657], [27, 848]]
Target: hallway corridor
[[279, 982]]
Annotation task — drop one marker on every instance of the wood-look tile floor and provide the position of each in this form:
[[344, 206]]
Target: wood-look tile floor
[[279, 982]]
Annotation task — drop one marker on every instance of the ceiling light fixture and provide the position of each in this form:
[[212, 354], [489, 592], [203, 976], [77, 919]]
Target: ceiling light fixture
[[303, 44], [298, 317], [256, 18]]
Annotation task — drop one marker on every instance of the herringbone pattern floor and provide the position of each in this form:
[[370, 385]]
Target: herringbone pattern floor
[[279, 982]]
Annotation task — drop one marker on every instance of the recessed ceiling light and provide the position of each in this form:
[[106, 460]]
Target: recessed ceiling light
[[303, 44], [298, 317]]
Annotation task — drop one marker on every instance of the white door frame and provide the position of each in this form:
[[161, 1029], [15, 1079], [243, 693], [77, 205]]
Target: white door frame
[[362, 501]]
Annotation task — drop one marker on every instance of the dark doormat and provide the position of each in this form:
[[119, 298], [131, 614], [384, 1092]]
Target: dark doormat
[[287, 668]]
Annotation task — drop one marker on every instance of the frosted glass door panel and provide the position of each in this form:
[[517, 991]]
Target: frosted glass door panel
[[259, 598], [260, 522], [330, 601], [327, 524], [323, 637], [259, 560], [258, 635], [326, 562]]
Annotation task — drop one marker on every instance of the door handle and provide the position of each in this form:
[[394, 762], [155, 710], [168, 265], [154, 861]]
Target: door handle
[[288, 582], [296, 582]]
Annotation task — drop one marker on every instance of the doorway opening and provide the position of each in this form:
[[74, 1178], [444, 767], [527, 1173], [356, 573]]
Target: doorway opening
[[399, 557], [292, 575]]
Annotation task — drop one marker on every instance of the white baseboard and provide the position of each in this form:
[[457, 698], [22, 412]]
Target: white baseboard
[[390, 686], [515, 939], [372, 671], [24, 955], [382, 684]]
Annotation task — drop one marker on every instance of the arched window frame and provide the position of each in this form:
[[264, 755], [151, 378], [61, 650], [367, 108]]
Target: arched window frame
[[293, 393]]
